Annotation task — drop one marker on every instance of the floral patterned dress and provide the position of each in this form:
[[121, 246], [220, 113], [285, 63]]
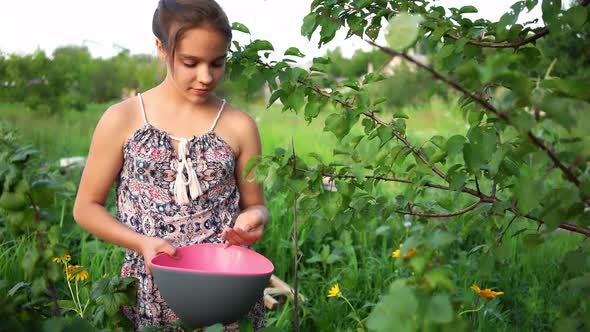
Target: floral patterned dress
[[146, 200]]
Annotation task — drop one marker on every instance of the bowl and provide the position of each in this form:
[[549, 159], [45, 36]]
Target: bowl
[[209, 284]]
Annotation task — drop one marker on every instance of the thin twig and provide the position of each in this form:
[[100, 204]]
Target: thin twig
[[295, 247], [506, 229], [481, 196], [436, 215]]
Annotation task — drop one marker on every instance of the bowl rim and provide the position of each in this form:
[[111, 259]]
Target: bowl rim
[[233, 247]]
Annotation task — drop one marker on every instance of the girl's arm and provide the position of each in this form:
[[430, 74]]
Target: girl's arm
[[104, 162], [249, 224]]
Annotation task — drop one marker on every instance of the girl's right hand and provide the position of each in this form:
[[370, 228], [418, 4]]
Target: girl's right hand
[[151, 246]]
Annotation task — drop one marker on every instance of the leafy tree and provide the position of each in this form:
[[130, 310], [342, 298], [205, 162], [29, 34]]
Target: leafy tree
[[524, 157]]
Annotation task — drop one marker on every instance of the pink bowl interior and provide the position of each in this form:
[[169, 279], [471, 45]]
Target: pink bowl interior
[[215, 259]]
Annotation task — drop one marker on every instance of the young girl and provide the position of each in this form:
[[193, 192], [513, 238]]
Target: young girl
[[177, 153]]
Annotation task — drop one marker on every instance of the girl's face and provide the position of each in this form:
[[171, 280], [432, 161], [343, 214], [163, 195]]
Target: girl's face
[[199, 63]]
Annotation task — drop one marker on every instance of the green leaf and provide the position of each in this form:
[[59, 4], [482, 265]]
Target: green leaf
[[215, 328], [585, 188], [294, 51], [271, 329], [109, 303], [530, 56], [297, 185], [17, 287], [252, 162], [472, 158], [577, 88], [328, 31], [562, 110], [441, 239], [550, 9], [440, 309], [528, 192], [395, 311], [384, 134], [439, 277], [331, 203], [467, 9], [576, 17], [457, 177], [246, 325], [68, 305], [518, 82], [275, 95], [403, 30], [455, 145], [400, 114], [260, 45], [338, 124], [296, 100], [240, 27], [309, 25], [30, 260], [44, 191], [356, 24], [313, 107]]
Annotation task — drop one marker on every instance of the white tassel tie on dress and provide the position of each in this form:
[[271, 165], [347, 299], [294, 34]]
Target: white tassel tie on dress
[[192, 181]]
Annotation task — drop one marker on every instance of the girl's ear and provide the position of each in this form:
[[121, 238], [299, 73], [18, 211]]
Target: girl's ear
[[161, 51]]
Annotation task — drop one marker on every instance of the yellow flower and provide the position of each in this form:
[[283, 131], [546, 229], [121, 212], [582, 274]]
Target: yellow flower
[[56, 260], [486, 293], [82, 275], [334, 291], [408, 254], [67, 257]]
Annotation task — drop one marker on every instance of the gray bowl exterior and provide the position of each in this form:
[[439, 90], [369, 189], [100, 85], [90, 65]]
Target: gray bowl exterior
[[202, 299]]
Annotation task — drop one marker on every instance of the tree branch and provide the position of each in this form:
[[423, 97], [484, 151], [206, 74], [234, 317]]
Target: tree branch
[[483, 198], [502, 114], [539, 34], [430, 215]]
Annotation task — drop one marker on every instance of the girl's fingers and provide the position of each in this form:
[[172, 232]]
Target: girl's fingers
[[237, 236]]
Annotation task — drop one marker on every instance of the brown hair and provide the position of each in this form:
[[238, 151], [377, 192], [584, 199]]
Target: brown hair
[[174, 17]]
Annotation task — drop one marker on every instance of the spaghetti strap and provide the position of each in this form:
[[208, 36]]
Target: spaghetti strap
[[145, 121], [218, 115]]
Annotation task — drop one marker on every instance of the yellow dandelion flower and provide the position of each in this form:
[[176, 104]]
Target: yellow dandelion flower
[[334, 291], [56, 260], [396, 253], [67, 257], [485, 293]]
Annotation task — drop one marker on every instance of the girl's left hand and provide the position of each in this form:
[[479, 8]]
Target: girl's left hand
[[247, 229]]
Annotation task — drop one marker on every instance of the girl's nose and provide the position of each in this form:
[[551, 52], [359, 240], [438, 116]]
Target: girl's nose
[[204, 75]]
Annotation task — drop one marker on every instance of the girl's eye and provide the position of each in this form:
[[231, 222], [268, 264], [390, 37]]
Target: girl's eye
[[217, 65], [190, 65]]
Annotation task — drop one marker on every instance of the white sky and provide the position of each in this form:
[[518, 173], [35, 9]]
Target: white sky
[[102, 25]]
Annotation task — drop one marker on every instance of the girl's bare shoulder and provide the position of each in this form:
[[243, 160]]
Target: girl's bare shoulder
[[240, 120], [122, 118]]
